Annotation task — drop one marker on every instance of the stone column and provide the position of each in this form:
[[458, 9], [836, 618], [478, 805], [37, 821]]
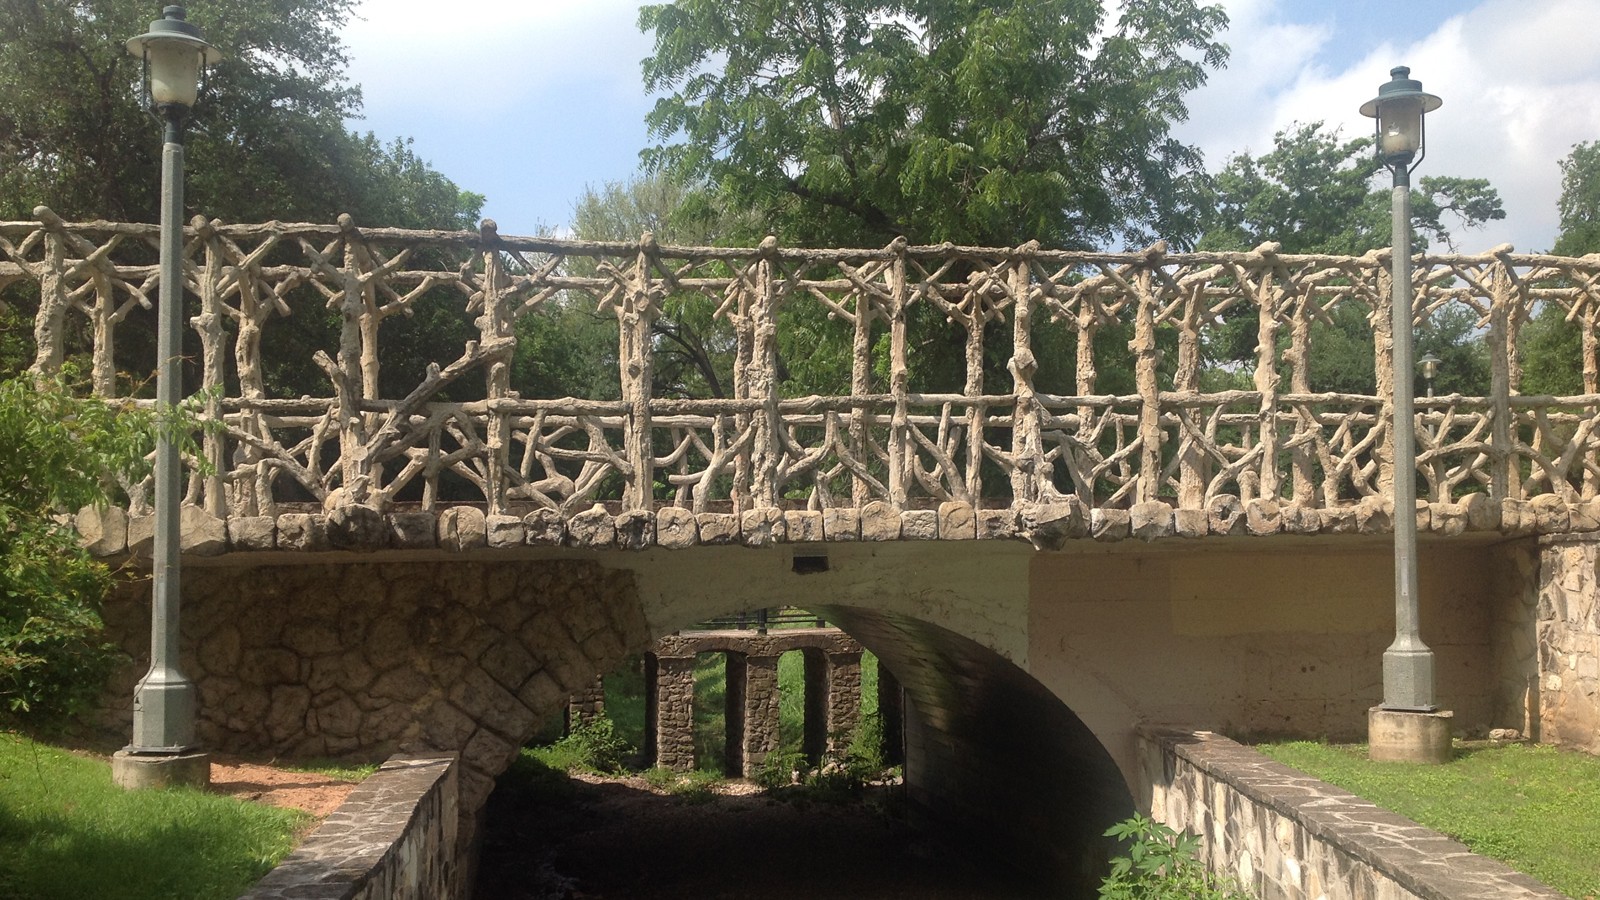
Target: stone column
[[758, 712], [673, 722], [587, 705], [844, 700]]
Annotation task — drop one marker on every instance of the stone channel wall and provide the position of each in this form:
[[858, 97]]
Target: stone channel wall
[[1288, 836], [1568, 635], [394, 838]]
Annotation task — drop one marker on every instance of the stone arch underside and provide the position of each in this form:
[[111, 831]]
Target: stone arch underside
[[994, 757], [364, 658]]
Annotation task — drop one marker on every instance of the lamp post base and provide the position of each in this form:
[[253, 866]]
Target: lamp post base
[[137, 771], [1406, 736]]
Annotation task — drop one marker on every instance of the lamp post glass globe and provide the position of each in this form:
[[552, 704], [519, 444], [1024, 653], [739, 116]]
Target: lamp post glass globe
[[1399, 109], [174, 52]]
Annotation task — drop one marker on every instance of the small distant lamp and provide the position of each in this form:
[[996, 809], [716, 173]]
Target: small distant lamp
[[1430, 369]]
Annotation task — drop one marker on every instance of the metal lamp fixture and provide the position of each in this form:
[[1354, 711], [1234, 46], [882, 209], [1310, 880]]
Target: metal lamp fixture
[[1399, 110], [1400, 107], [163, 705], [1430, 369]]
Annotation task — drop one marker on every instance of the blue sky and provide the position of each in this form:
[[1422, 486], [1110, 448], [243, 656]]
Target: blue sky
[[528, 101]]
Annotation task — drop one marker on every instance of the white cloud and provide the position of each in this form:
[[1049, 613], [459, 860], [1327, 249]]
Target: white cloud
[[1520, 83]]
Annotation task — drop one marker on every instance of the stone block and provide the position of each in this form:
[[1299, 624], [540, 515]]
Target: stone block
[[841, 524], [762, 527], [1449, 519], [102, 531], [544, 528], [1225, 515], [1263, 516], [803, 526], [1048, 526], [1483, 514], [253, 533], [1374, 515], [1513, 517], [1190, 523], [1151, 520], [353, 526], [200, 533], [503, 531], [996, 524], [141, 535], [718, 528], [957, 521], [919, 525], [1339, 520], [463, 528], [304, 532], [1299, 519], [1584, 515], [636, 529], [880, 522], [413, 530], [1549, 513], [593, 528], [676, 528], [1110, 524]]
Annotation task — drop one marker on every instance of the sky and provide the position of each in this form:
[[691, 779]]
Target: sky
[[530, 101]]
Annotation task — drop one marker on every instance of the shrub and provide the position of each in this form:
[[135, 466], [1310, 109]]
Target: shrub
[[592, 745], [1161, 865]]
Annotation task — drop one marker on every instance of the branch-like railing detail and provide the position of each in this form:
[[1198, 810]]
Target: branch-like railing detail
[[1190, 425]]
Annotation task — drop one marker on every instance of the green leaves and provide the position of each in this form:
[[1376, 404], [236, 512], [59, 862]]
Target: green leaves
[[851, 122], [1579, 206], [57, 453], [1161, 863]]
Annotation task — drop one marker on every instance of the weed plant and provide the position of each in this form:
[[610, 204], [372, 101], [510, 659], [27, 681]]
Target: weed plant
[[1161, 865], [66, 833]]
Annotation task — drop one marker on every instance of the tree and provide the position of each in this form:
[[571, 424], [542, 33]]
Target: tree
[[57, 454], [853, 121], [1314, 193], [268, 139], [1552, 347]]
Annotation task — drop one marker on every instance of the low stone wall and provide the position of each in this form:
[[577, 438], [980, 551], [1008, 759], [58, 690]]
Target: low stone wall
[[1568, 634], [394, 838], [1287, 835]]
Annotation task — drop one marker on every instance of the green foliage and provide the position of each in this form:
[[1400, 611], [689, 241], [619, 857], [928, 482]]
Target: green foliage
[[1161, 865], [66, 832], [1537, 809], [850, 122], [1314, 193], [268, 136], [57, 454], [695, 786], [1579, 206], [591, 745]]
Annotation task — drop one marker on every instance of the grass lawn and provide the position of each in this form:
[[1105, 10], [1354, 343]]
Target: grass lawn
[[67, 832], [1535, 808]]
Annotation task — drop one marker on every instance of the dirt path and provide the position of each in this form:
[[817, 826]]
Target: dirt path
[[619, 838], [318, 795]]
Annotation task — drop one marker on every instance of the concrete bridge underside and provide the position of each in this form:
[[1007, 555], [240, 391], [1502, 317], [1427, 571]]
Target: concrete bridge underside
[[1026, 672]]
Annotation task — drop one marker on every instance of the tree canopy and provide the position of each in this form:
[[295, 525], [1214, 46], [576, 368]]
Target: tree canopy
[[267, 140], [972, 121], [1315, 193]]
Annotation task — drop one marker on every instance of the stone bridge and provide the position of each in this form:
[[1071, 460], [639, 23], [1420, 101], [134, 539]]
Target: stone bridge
[[1045, 566]]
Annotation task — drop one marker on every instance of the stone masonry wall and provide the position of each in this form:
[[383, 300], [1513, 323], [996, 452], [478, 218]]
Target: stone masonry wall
[[394, 838], [1569, 644], [364, 660], [1288, 836]]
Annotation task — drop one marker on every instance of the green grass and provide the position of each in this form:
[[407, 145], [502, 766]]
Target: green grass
[[67, 832], [332, 768], [1535, 808]]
